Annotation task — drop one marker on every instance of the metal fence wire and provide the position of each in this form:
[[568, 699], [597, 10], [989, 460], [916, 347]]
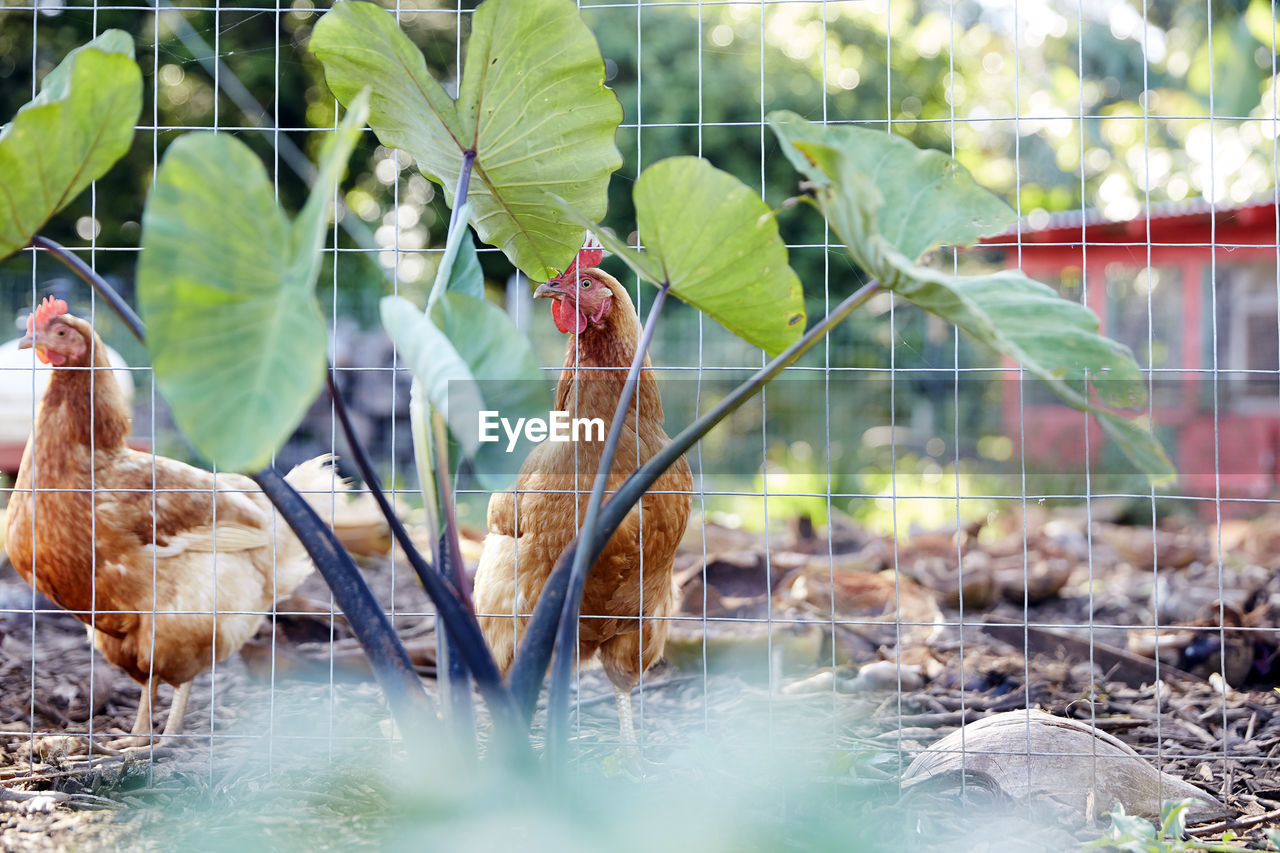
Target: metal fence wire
[[903, 534]]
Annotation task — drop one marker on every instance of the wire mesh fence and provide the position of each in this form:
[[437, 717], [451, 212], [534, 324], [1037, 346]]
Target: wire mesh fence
[[904, 533]]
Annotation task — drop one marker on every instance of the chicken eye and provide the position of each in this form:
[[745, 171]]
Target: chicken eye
[[586, 282], [62, 333]]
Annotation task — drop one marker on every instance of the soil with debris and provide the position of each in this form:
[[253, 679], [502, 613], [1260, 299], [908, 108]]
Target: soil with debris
[[809, 634]]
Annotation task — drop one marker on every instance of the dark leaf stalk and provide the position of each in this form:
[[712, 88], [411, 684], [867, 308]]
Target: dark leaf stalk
[[449, 561], [448, 545], [535, 651], [448, 601], [391, 664]]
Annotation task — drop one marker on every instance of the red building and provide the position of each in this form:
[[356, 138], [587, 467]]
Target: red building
[[1193, 291]]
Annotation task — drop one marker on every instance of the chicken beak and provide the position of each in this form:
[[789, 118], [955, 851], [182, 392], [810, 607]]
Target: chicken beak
[[547, 290], [28, 341]]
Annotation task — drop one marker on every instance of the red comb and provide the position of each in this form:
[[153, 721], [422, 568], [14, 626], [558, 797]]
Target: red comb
[[48, 309], [590, 255]]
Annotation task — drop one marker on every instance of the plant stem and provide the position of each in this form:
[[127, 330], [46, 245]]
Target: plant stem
[[448, 550], [449, 657], [565, 641], [449, 606], [97, 282], [457, 232], [455, 678], [391, 664], [419, 415], [437, 438], [460, 193], [449, 560], [535, 651]]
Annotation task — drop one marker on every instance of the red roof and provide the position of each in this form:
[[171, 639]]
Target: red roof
[[1168, 222]]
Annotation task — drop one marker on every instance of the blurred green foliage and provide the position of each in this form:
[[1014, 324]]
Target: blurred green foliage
[[754, 774]]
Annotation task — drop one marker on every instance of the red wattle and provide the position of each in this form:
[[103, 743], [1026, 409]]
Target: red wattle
[[568, 320]]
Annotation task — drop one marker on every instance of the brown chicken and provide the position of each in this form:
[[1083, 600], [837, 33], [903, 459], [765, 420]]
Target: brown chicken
[[128, 542], [529, 529]]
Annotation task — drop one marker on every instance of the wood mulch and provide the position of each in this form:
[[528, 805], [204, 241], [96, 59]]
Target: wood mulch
[[1056, 618]]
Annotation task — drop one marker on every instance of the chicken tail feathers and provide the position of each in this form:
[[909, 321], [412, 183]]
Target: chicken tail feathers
[[318, 482]]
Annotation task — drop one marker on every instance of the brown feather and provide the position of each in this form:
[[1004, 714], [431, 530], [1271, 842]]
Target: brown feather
[[632, 578], [127, 541]]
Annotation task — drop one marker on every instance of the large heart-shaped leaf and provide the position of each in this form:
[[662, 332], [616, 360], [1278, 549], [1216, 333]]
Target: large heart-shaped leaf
[[532, 106], [68, 136], [226, 287], [889, 207], [925, 199], [468, 357], [716, 242]]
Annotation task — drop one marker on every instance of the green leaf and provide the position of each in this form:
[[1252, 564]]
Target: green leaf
[[1052, 338], [226, 287], [459, 268], [717, 243], [1173, 818], [434, 362], [69, 135], [1132, 828], [922, 198], [532, 105], [469, 357], [465, 275], [643, 264]]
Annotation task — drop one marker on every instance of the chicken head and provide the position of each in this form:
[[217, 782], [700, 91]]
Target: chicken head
[[55, 335], [582, 296]]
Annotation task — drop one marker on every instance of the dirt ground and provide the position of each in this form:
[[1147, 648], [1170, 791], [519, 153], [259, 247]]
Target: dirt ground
[[1057, 615]]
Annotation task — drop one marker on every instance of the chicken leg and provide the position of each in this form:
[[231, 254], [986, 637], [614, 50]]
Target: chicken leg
[[142, 723], [627, 728], [178, 709]]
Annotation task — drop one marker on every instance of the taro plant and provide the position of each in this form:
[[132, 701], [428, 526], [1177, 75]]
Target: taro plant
[[708, 239], [524, 155]]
